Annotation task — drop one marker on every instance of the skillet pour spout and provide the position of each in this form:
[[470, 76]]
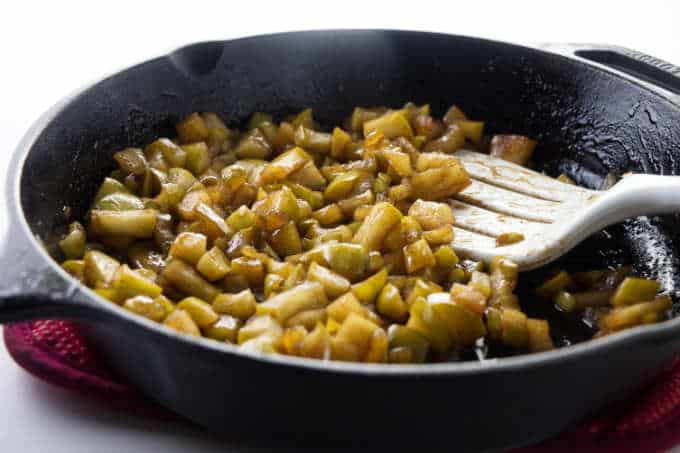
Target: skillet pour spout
[[595, 111]]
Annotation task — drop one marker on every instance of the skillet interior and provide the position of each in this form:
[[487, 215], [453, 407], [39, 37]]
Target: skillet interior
[[588, 123]]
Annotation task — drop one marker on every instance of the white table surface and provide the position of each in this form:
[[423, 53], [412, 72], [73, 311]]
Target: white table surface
[[50, 49]]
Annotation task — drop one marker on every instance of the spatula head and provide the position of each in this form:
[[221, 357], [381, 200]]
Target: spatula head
[[506, 198]]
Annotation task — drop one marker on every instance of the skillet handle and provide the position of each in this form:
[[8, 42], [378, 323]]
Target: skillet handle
[[25, 307], [651, 72], [32, 288]]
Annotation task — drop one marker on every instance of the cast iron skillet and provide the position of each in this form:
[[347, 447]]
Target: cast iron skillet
[[594, 110]]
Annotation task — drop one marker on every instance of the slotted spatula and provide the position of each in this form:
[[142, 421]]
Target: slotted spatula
[[552, 216]]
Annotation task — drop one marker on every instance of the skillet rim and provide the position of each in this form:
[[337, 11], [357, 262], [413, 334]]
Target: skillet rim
[[660, 332]]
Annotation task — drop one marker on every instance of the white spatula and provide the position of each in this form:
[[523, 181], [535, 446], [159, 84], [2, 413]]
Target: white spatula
[[552, 216]]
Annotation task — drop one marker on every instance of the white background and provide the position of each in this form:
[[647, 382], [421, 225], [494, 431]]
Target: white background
[[49, 49]]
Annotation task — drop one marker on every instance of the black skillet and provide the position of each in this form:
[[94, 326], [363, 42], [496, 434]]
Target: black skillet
[[594, 111]]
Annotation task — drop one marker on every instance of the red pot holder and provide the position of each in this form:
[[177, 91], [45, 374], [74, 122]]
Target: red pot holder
[[56, 352]]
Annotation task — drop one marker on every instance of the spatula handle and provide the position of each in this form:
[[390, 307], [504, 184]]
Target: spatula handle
[[637, 195]]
